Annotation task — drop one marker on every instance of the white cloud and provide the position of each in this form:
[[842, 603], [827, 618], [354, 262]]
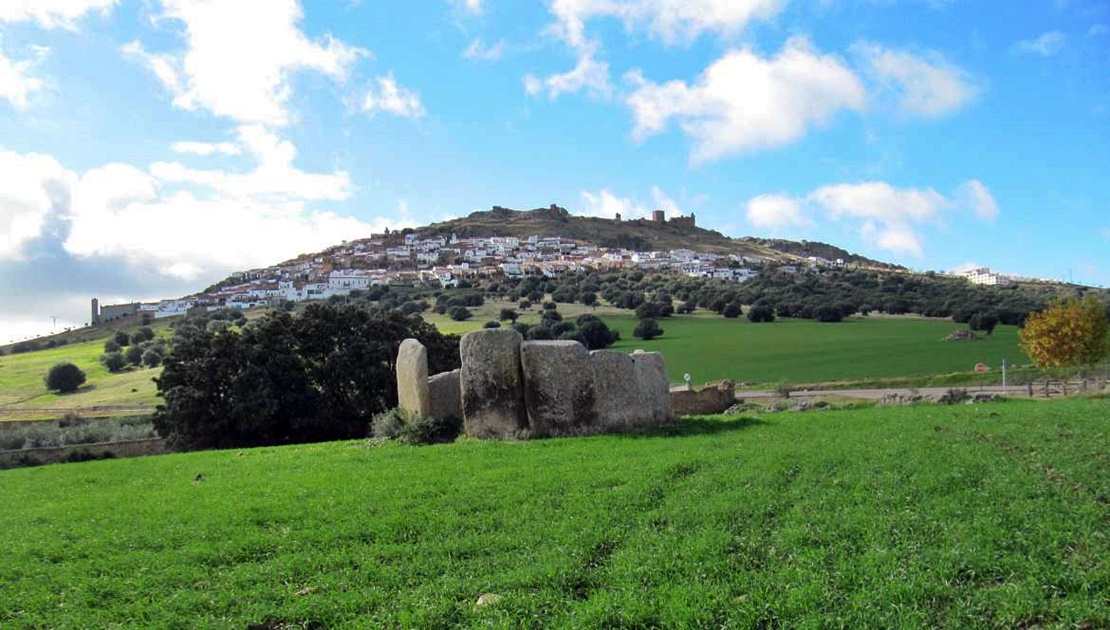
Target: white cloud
[[52, 13], [34, 185], [927, 87], [17, 82], [239, 60], [473, 7], [589, 74], [744, 103], [672, 21], [665, 203], [1046, 45], [393, 99], [776, 212], [477, 50], [275, 177], [888, 214], [206, 148], [974, 195], [606, 205]]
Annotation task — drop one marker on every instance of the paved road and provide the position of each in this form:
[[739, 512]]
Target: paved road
[[877, 394]]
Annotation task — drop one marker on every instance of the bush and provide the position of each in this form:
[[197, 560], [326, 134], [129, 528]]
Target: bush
[[114, 361], [508, 314], [134, 355], [122, 338], [731, 310], [64, 378], [647, 329], [761, 313], [111, 346], [459, 313], [151, 358], [491, 324], [395, 424]]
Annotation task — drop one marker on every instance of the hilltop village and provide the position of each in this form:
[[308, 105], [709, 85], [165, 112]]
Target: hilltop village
[[410, 258]]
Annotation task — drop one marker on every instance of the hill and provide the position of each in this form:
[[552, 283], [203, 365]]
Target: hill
[[912, 517], [638, 234]]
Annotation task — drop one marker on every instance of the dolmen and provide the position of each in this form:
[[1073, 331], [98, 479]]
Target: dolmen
[[509, 388]]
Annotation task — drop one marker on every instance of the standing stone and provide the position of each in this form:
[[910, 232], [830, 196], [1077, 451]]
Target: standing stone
[[558, 387], [412, 379], [654, 389], [491, 383], [446, 394], [618, 394]]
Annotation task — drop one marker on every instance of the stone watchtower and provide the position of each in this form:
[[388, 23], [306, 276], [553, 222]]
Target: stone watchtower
[[95, 312], [658, 216]]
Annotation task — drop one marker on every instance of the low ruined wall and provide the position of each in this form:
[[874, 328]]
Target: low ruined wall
[[55, 454], [713, 398]]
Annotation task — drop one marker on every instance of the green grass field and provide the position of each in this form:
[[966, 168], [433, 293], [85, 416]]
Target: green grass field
[[930, 516]]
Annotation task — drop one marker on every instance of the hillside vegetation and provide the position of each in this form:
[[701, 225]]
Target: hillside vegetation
[[917, 517]]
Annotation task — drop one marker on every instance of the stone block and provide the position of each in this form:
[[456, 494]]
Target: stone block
[[654, 389], [492, 384], [445, 391], [558, 388], [412, 378], [618, 396]]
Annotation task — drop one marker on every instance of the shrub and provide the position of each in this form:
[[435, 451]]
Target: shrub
[[111, 346], [731, 310], [761, 313], [122, 338], [647, 329], [459, 313], [491, 324], [953, 396], [508, 314], [64, 378], [114, 361], [395, 424], [134, 355], [151, 358]]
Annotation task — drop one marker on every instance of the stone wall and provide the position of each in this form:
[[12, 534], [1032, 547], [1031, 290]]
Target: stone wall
[[713, 398], [510, 388]]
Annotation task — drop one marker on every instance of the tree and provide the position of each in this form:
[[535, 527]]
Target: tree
[[459, 313], [594, 333], [110, 345], [588, 298], [151, 358], [134, 355], [122, 338], [647, 329], [984, 322], [731, 310], [114, 361], [508, 314], [64, 378], [646, 310], [525, 305], [1067, 333], [828, 314], [491, 324], [761, 313]]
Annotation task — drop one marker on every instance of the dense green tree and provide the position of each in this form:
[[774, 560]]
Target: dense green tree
[[64, 377], [761, 313], [731, 310], [647, 329], [114, 361], [134, 355]]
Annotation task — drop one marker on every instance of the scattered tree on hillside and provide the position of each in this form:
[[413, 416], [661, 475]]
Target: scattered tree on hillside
[[647, 329], [114, 361], [459, 313], [64, 378], [761, 313], [508, 314], [1068, 333], [731, 310], [122, 338], [134, 355]]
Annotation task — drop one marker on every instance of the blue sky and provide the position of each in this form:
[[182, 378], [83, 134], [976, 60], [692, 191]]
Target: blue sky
[[149, 147]]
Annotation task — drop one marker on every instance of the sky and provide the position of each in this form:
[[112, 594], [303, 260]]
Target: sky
[[150, 147]]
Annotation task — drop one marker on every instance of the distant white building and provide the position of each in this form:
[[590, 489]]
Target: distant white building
[[983, 275]]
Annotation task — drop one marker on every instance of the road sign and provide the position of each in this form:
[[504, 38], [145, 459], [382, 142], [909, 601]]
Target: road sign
[[980, 367]]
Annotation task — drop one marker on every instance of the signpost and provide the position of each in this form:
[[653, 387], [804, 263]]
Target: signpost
[[981, 368]]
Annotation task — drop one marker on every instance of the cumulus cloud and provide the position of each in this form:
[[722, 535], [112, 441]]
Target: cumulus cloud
[[743, 102], [928, 86], [1045, 45], [672, 21], [665, 203], [246, 80], [35, 185], [478, 51], [385, 95], [606, 205], [52, 13], [776, 212], [889, 217], [206, 148], [589, 74], [17, 82]]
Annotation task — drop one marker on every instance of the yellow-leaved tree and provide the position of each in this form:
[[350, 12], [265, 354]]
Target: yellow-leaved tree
[[1068, 333]]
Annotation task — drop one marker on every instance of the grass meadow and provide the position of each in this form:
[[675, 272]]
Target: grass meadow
[[711, 347], [925, 516]]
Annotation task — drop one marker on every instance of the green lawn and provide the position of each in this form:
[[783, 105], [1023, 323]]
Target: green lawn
[[968, 516]]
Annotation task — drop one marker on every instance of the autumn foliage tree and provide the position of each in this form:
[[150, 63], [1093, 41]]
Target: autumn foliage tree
[[1068, 333]]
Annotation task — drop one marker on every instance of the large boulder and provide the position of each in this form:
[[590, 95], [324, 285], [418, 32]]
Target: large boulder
[[654, 389], [713, 398], [446, 394], [558, 388], [618, 394], [492, 384], [412, 379]]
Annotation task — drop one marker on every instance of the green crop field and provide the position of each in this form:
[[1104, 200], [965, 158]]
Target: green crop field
[[927, 516]]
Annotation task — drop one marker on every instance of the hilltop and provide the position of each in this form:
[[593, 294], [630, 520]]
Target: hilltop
[[654, 234]]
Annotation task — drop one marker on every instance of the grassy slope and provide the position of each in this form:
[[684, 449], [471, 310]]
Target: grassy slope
[[801, 351], [910, 517]]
